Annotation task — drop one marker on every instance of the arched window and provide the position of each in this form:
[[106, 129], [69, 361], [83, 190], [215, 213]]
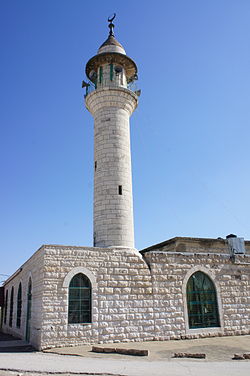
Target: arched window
[[5, 307], [79, 299], [202, 302], [11, 306], [19, 306], [28, 312]]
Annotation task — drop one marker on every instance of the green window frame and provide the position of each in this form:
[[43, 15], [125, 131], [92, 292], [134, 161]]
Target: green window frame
[[11, 306], [19, 306], [202, 302], [79, 311]]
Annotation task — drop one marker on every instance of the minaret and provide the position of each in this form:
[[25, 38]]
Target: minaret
[[111, 103]]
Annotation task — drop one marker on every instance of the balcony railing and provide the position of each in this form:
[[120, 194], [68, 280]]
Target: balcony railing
[[107, 83]]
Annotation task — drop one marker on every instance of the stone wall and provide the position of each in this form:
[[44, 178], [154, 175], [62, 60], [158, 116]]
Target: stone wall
[[134, 297], [32, 269], [122, 303], [170, 273]]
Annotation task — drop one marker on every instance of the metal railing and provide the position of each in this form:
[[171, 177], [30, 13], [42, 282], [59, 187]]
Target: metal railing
[[90, 87]]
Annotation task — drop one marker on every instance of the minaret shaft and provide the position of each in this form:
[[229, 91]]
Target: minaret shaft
[[111, 102], [113, 201]]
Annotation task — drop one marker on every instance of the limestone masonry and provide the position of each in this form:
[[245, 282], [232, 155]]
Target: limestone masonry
[[135, 296], [111, 292], [111, 104]]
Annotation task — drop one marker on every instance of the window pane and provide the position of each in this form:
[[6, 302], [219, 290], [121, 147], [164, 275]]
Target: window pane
[[85, 305], [73, 317], [74, 305], [202, 302], [11, 307], [5, 307], [85, 293], [19, 306], [80, 280], [79, 299], [85, 317], [75, 293]]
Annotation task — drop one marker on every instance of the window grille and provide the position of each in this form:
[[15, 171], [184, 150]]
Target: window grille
[[202, 302], [79, 300], [11, 306], [19, 306], [6, 307]]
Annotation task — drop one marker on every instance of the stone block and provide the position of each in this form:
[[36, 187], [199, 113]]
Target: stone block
[[238, 357], [190, 355]]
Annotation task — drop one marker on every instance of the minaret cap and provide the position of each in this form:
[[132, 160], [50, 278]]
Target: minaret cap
[[111, 51], [111, 44]]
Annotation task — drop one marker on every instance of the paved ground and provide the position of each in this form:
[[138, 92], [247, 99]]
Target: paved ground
[[219, 361], [75, 364], [216, 349]]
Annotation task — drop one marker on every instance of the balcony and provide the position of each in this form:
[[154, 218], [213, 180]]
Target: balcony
[[89, 86]]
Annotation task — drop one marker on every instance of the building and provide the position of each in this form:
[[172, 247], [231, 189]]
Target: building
[[111, 292]]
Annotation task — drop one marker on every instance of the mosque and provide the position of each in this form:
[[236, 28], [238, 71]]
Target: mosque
[[179, 289]]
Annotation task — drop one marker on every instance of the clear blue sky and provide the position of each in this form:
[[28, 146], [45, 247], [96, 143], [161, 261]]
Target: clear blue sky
[[190, 134]]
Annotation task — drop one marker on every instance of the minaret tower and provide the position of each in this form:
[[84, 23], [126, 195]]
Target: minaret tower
[[111, 103]]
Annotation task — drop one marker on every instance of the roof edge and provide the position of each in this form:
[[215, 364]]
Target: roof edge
[[187, 239]]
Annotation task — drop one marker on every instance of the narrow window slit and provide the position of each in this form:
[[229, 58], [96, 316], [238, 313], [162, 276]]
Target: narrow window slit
[[111, 72], [120, 189], [95, 165], [100, 75]]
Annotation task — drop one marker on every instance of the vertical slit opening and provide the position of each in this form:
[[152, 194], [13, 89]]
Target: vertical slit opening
[[111, 72], [100, 75], [120, 189], [95, 165]]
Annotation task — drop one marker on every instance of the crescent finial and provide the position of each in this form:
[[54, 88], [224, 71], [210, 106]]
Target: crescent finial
[[110, 19], [111, 25]]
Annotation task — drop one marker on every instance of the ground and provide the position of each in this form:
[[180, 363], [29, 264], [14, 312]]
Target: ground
[[216, 349], [81, 361]]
